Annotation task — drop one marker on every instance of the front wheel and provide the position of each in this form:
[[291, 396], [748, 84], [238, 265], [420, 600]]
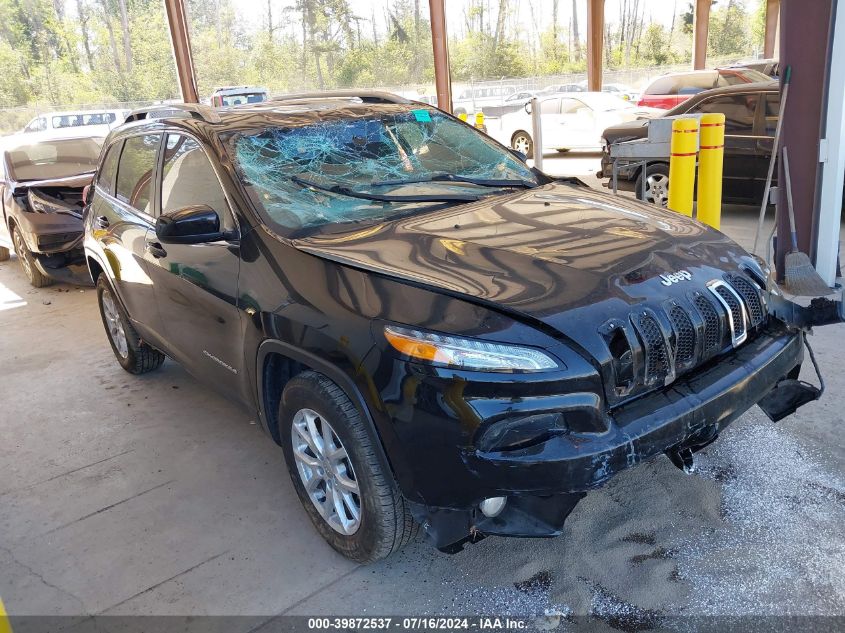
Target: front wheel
[[133, 354], [350, 497], [36, 278], [4, 254], [656, 184], [522, 142]]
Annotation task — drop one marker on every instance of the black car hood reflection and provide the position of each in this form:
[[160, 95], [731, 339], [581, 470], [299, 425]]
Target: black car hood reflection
[[541, 252]]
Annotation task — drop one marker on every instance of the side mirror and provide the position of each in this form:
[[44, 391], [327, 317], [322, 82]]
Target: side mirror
[[86, 195], [195, 224], [527, 107]]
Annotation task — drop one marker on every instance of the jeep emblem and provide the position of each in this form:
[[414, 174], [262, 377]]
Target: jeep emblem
[[673, 278]]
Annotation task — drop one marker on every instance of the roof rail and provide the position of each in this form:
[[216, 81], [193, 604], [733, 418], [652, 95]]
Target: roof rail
[[366, 96], [175, 110]]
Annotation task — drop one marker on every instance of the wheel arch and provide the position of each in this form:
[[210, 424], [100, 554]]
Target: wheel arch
[[278, 362]]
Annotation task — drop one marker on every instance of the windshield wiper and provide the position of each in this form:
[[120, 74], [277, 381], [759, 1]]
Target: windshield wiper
[[346, 191], [483, 182]]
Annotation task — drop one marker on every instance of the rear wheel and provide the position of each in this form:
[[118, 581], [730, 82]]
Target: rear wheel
[[27, 260], [521, 142], [351, 499], [133, 354], [656, 184]]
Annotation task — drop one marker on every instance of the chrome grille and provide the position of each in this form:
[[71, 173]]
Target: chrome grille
[[684, 335], [731, 302], [712, 325], [751, 298]]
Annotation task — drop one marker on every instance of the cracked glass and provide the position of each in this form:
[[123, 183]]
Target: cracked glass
[[323, 172]]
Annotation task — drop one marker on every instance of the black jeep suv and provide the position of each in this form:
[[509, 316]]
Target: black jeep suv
[[435, 334]]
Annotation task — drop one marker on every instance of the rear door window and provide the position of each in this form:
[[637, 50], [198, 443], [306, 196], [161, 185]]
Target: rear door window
[[550, 106], [135, 172], [663, 86], [105, 177], [738, 110]]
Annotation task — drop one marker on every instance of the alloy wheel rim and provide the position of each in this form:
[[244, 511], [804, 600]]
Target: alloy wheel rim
[[657, 189], [326, 471], [522, 144], [114, 325], [21, 252]]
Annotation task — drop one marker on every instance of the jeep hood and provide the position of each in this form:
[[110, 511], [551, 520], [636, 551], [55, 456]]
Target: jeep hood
[[559, 254]]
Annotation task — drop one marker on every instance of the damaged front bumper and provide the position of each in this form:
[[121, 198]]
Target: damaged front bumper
[[542, 483]]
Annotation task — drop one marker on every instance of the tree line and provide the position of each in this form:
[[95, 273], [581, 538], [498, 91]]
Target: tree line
[[59, 52]]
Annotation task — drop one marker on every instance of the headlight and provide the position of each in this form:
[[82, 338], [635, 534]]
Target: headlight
[[41, 204], [466, 353]]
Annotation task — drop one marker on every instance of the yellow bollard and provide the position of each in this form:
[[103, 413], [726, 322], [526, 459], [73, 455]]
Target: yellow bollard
[[463, 116], [479, 120], [682, 165], [710, 159]]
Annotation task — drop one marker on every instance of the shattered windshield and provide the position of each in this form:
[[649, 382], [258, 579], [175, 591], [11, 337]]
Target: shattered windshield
[[357, 169]]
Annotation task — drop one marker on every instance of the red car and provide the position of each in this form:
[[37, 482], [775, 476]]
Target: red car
[[669, 90]]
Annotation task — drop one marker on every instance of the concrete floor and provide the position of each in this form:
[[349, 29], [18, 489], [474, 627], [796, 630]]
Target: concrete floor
[[154, 495]]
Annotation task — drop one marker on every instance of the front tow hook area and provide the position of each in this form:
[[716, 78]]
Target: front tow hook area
[[682, 455]]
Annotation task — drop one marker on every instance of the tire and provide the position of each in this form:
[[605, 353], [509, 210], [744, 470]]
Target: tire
[[384, 523], [657, 179], [133, 354], [521, 142], [4, 254], [36, 278]]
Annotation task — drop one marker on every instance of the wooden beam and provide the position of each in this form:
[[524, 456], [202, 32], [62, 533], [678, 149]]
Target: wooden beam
[[701, 25], [595, 42], [180, 40], [772, 14], [439, 42]]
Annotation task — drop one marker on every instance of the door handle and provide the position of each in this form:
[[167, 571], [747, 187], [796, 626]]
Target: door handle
[[156, 250], [101, 222]]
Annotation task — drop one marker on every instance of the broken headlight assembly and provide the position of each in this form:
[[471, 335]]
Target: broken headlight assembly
[[45, 204], [457, 352]]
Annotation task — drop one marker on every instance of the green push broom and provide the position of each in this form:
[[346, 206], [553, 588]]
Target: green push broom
[[800, 277]]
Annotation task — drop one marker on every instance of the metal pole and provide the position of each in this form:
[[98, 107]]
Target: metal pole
[[180, 40], [537, 133], [442, 76]]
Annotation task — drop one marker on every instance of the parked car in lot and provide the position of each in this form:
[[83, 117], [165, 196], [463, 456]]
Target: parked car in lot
[[558, 88], [619, 90], [672, 89], [435, 334], [226, 96], [476, 98], [569, 122], [42, 179], [94, 122], [751, 114], [769, 67]]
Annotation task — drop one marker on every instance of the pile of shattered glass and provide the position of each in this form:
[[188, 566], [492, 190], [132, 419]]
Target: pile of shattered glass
[[292, 168]]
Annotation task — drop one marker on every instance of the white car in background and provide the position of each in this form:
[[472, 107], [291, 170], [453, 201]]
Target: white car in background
[[569, 121], [88, 122]]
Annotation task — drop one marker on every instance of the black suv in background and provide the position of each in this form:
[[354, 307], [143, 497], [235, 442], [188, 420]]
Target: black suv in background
[[435, 334], [751, 116]]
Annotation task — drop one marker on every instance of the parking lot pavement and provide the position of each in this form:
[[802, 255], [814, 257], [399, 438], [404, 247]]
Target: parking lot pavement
[[154, 495]]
